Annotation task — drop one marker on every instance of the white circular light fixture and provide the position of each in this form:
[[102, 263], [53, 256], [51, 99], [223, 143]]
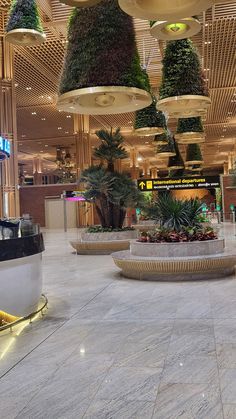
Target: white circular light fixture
[[172, 30]]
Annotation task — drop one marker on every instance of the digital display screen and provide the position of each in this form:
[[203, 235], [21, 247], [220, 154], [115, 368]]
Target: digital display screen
[[5, 148]]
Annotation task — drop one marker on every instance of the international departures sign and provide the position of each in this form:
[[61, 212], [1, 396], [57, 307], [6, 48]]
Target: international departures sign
[[197, 182]]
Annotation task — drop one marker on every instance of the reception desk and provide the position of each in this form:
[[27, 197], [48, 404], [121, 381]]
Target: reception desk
[[21, 274]]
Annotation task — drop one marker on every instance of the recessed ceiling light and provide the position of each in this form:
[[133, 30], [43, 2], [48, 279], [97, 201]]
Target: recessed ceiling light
[[43, 119], [49, 97], [59, 128], [34, 113], [46, 145], [139, 159], [20, 143], [28, 88], [68, 116], [16, 84], [207, 42], [66, 132], [41, 151], [23, 136]]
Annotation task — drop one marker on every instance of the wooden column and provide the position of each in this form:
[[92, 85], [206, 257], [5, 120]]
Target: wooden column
[[83, 161], [134, 167], [9, 202]]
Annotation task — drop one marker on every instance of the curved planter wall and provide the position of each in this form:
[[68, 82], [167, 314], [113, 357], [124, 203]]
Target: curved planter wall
[[185, 249], [113, 236]]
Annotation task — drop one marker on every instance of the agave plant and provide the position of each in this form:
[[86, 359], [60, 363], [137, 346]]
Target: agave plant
[[176, 214]]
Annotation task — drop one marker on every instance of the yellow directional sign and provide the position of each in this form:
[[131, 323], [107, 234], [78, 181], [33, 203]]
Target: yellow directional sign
[[142, 185], [149, 185]]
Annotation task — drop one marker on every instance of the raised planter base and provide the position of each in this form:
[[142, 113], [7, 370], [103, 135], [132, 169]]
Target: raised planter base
[[176, 268]]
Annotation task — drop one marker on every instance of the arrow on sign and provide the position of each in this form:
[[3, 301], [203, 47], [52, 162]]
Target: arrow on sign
[[142, 184]]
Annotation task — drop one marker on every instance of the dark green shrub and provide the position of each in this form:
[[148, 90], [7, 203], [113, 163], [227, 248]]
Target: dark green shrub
[[193, 153], [150, 117], [190, 125]]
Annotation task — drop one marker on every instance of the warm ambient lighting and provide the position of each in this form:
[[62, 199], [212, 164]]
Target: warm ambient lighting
[[176, 27]]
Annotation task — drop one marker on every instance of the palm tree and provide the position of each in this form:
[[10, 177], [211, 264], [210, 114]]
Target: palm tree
[[111, 192], [111, 148]]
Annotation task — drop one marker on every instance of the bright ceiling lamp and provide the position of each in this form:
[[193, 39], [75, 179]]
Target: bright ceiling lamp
[[190, 131], [164, 9], [100, 76], [81, 3], [183, 91], [24, 26], [172, 30]]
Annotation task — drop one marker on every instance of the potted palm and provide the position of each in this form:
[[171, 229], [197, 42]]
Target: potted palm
[[164, 9], [190, 131], [170, 30], [24, 26], [149, 121], [100, 76], [111, 193], [183, 91], [194, 155]]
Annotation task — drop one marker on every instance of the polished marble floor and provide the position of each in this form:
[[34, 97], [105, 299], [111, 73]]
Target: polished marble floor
[[113, 348]]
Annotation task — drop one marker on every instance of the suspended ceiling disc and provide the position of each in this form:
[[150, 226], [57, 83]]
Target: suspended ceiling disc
[[193, 162], [185, 106], [81, 3], [148, 131], [175, 167], [25, 37], [164, 9], [159, 142], [190, 137], [173, 29], [166, 154], [104, 100]]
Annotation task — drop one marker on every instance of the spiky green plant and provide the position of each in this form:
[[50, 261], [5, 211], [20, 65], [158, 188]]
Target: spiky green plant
[[175, 214], [101, 50], [182, 72], [190, 125], [111, 192], [24, 14]]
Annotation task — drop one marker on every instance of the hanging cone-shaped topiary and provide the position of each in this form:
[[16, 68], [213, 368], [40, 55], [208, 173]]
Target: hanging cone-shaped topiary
[[164, 9], [176, 162], [194, 155], [196, 168], [183, 91], [149, 121], [81, 3], [100, 76], [190, 131], [161, 139], [24, 26], [168, 149], [173, 29]]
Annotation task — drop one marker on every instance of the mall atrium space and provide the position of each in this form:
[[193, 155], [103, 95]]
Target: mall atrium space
[[117, 209]]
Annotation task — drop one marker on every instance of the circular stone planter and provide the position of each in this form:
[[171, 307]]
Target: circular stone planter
[[197, 248], [175, 261], [164, 9], [104, 100], [172, 30], [186, 106], [190, 138], [103, 243], [80, 3], [148, 131], [25, 37]]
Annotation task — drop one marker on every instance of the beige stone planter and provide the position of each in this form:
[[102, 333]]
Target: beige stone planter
[[184, 249], [103, 243]]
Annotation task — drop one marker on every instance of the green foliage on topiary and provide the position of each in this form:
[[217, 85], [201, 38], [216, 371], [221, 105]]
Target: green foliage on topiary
[[169, 147], [102, 50], [182, 73], [193, 153], [149, 117], [161, 139], [24, 15], [177, 160], [190, 125]]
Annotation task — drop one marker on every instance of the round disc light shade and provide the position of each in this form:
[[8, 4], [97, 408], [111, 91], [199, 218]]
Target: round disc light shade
[[104, 100], [172, 29], [81, 3], [25, 37], [190, 138], [164, 9], [185, 106]]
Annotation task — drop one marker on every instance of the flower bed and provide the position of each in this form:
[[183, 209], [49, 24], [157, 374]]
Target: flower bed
[[188, 234]]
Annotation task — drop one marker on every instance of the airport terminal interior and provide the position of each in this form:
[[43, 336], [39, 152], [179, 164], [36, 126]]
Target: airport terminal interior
[[117, 209]]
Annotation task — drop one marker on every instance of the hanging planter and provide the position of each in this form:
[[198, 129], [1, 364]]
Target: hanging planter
[[176, 162], [100, 76], [183, 92], [190, 131], [164, 9], [172, 30], [161, 139], [168, 149], [24, 26], [194, 155], [149, 121], [81, 3], [196, 168]]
